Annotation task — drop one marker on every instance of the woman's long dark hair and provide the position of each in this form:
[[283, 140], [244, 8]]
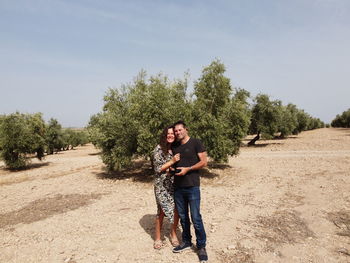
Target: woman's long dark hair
[[163, 139]]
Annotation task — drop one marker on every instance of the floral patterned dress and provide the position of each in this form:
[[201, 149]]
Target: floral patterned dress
[[163, 184]]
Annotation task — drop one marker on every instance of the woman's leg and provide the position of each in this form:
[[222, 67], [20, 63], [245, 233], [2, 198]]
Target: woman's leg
[[173, 236], [158, 225]]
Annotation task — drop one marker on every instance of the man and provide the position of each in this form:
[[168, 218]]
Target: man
[[193, 157]]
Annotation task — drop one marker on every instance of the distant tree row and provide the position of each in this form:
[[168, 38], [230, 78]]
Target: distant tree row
[[220, 115], [273, 119], [342, 120], [23, 136]]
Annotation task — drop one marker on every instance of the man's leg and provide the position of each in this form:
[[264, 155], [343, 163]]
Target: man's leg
[[194, 202], [182, 208]]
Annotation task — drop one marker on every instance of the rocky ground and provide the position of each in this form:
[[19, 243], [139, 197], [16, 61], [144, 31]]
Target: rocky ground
[[280, 201]]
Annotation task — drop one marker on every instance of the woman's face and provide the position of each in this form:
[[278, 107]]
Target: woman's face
[[170, 137]]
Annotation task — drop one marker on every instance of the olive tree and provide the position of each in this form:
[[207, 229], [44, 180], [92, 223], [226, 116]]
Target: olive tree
[[134, 116], [239, 114], [73, 138], [113, 132], [218, 118], [265, 118], [303, 120], [155, 104], [21, 136], [54, 136], [316, 123], [342, 120], [288, 120]]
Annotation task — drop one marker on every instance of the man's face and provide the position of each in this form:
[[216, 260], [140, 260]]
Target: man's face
[[180, 132]]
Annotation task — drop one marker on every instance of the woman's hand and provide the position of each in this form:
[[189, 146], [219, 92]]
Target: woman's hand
[[176, 158], [171, 162]]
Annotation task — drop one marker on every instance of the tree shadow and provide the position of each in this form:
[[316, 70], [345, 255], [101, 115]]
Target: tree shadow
[[208, 174], [37, 165], [260, 145], [345, 130], [277, 138], [139, 171], [93, 154], [56, 153], [28, 167], [262, 142], [221, 166], [209, 171]]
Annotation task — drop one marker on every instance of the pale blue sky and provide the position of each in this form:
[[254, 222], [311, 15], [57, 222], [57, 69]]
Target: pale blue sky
[[59, 57]]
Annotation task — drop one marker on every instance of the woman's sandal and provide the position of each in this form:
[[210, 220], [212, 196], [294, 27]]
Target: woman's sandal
[[174, 242], [157, 244]]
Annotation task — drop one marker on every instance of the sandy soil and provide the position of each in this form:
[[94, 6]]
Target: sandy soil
[[281, 201]]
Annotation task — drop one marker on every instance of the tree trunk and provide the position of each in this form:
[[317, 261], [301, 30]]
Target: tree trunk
[[252, 142], [152, 163]]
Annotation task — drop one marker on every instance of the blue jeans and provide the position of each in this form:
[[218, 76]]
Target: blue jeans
[[190, 197]]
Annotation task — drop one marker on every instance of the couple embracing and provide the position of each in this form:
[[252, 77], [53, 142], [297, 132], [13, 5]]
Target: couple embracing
[[177, 161]]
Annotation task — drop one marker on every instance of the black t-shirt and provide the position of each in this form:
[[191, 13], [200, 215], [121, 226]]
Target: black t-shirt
[[188, 157]]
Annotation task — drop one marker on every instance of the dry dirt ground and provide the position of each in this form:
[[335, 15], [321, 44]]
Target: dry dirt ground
[[280, 201]]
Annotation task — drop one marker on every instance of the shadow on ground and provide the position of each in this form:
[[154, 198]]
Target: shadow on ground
[[141, 171], [263, 142], [147, 222], [93, 154], [220, 166], [259, 145], [28, 167], [346, 131], [213, 170], [37, 165]]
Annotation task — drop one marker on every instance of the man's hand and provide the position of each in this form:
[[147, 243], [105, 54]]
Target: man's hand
[[184, 170]]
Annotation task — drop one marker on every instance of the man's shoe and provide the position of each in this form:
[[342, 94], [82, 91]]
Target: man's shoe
[[202, 255], [182, 247]]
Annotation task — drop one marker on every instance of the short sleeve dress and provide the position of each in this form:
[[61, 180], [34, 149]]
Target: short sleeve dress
[[163, 184]]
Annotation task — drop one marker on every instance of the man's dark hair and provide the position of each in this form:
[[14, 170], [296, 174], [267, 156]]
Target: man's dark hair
[[180, 122]]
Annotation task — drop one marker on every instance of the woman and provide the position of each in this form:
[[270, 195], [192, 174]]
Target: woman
[[163, 186]]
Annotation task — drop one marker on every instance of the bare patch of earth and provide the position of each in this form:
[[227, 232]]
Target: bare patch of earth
[[43, 208], [341, 220], [237, 253], [283, 227]]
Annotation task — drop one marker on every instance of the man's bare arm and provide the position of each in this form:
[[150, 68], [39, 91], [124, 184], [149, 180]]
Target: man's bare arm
[[203, 161]]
